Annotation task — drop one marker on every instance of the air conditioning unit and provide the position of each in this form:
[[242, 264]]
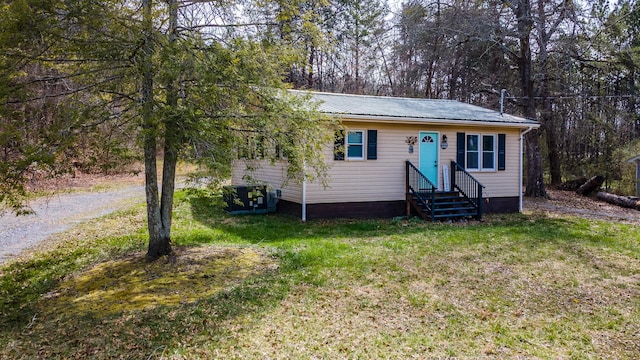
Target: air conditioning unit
[[254, 199]]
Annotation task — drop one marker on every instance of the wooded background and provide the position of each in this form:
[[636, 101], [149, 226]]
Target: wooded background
[[573, 66], [69, 91]]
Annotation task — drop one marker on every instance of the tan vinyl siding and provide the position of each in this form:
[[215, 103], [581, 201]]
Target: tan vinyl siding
[[369, 180], [383, 179], [265, 173]]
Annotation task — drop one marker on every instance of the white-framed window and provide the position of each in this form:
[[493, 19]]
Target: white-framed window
[[354, 144], [481, 152], [488, 152]]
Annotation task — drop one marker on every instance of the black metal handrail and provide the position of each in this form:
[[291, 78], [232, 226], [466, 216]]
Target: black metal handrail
[[468, 186], [419, 186]]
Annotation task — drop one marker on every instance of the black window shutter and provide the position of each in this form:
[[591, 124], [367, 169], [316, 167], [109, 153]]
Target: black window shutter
[[501, 151], [372, 144], [338, 146], [460, 151]]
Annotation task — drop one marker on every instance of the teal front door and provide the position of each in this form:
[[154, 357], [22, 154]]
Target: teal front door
[[429, 155]]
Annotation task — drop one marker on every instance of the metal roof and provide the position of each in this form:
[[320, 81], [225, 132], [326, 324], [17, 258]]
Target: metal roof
[[413, 110]]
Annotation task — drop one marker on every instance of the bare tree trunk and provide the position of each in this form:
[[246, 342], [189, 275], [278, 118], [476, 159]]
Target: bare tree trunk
[[554, 154], [550, 129], [430, 72], [429, 92], [150, 132], [386, 66], [312, 53], [160, 233], [547, 120], [535, 183], [357, 54], [171, 142]]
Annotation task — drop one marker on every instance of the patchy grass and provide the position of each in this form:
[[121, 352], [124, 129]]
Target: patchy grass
[[270, 287], [132, 283]]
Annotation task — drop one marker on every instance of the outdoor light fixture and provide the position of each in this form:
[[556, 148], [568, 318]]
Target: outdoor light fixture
[[444, 143]]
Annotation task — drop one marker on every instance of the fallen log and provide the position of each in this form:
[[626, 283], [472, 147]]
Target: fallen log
[[591, 185], [572, 185], [623, 201]]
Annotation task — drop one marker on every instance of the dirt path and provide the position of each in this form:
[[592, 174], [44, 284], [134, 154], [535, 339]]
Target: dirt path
[[59, 213]]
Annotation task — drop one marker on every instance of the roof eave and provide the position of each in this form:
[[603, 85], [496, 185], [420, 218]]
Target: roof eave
[[410, 120]]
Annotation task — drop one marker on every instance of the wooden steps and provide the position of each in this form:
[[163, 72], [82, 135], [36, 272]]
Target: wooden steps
[[424, 198], [446, 206]]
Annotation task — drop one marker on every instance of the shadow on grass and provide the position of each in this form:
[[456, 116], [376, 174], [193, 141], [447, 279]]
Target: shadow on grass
[[304, 250], [145, 333], [94, 329], [24, 281]]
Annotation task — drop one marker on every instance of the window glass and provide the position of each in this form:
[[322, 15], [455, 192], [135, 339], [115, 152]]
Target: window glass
[[487, 160], [355, 137], [472, 142], [487, 143], [472, 160], [473, 157], [355, 144], [481, 152], [355, 152], [488, 152]]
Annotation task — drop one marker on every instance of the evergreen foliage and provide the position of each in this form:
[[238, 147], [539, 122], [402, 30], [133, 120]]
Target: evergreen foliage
[[190, 78]]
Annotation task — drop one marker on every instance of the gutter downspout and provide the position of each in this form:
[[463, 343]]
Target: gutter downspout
[[522, 165]]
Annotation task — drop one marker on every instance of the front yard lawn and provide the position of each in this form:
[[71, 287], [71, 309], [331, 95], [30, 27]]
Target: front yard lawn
[[270, 287]]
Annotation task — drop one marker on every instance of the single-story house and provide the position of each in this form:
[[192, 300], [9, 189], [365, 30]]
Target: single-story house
[[433, 158]]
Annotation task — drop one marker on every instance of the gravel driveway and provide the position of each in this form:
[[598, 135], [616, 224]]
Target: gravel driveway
[[59, 213]]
